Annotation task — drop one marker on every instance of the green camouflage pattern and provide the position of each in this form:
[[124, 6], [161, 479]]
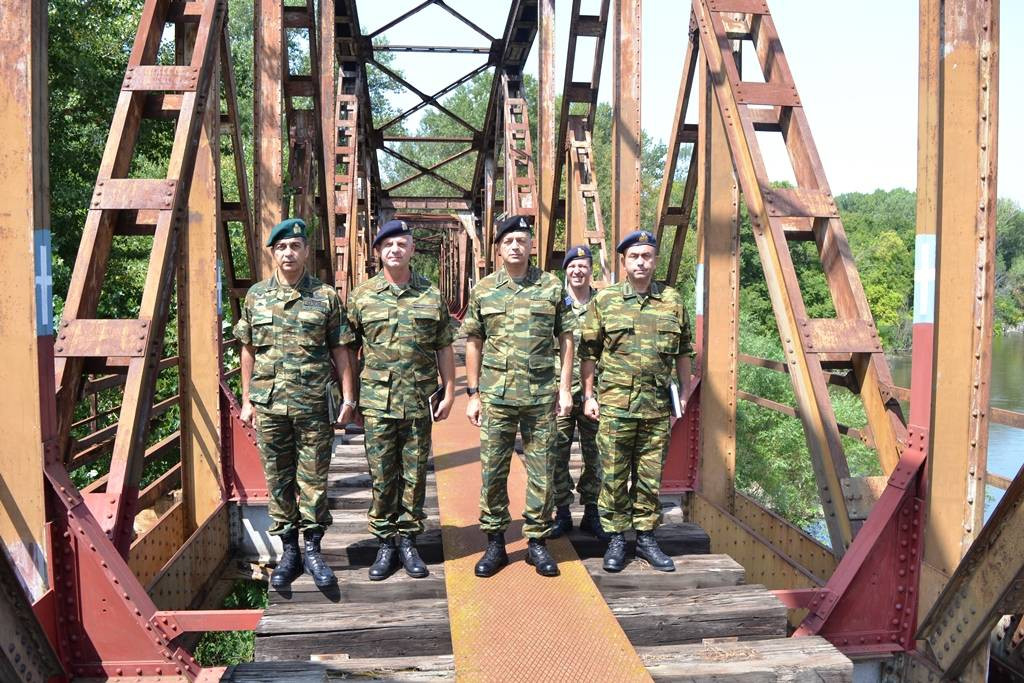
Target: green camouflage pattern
[[292, 330], [400, 329], [397, 452], [519, 323], [580, 312], [497, 439], [635, 340], [631, 449], [296, 454], [590, 477], [566, 427]]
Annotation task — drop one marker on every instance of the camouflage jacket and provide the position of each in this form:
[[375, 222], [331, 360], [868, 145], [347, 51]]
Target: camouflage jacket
[[293, 331], [635, 340], [580, 311], [519, 323], [400, 330]]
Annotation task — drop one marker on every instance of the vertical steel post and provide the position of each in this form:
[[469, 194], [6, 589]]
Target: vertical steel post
[[26, 302], [546, 132], [719, 228], [329, 131], [959, 43], [626, 127], [267, 145], [199, 325]]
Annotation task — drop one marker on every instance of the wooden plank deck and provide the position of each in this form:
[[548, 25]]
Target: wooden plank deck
[[398, 629]]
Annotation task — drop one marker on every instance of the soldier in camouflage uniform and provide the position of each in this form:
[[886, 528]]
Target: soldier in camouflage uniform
[[577, 265], [638, 334], [516, 315], [404, 328], [291, 327]]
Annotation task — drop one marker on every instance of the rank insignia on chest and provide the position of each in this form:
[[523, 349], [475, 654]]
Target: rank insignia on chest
[[315, 304]]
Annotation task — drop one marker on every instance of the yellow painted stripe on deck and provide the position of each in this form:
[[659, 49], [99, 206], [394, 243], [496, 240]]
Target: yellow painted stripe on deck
[[517, 625]]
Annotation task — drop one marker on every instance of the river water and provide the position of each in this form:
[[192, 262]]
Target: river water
[[1005, 444]]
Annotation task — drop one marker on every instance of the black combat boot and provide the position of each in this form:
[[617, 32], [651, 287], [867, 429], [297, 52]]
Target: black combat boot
[[615, 556], [537, 555], [563, 522], [494, 557], [591, 523], [289, 567], [386, 561], [315, 565], [414, 566], [647, 549]]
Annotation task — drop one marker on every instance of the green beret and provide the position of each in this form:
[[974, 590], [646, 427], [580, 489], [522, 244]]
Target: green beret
[[292, 227]]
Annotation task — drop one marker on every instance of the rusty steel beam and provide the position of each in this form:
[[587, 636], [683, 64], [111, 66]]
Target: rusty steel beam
[[520, 178], [328, 65], [584, 220], [426, 171], [988, 583], [666, 214], [719, 221], [268, 145], [199, 313], [544, 231], [26, 305], [353, 51], [959, 110], [850, 340], [581, 93], [508, 57], [626, 125], [136, 344]]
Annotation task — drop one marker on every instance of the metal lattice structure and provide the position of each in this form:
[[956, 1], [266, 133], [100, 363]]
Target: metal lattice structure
[[906, 547]]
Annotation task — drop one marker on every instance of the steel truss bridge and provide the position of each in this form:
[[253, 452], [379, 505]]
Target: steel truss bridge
[[913, 576]]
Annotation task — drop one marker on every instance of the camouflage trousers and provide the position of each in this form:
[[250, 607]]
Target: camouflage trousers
[[397, 452], [590, 478], [296, 453], [632, 455], [497, 440]]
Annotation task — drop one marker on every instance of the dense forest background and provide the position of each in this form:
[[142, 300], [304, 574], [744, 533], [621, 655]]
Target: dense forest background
[[89, 45]]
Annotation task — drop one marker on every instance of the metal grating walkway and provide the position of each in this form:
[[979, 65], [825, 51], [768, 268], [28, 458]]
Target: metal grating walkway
[[517, 623]]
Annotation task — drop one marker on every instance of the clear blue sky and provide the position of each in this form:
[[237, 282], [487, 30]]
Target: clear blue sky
[[855, 66]]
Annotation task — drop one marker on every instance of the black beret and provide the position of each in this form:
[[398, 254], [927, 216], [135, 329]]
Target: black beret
[[391, 229], [292, 227], [573, 253], [521, 222], [637, 237]]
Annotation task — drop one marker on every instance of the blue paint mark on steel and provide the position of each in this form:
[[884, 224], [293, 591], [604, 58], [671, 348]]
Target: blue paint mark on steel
[[924, 279]]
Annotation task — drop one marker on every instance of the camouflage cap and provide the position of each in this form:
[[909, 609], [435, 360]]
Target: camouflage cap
[[291, 227]]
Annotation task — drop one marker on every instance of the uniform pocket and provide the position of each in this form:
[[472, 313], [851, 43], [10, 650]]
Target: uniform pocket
[[374, 389], [425, 322], [260, 391], [542, 376], [668, 335], [614, 392], [619, 332], [376, 325], [542, 319], [262, 328], [492, 376]]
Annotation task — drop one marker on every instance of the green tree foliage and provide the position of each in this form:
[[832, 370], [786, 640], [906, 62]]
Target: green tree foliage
[[227, 648]]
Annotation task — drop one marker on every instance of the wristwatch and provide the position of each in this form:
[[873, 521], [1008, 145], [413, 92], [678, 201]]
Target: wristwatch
[[472, 390], [350, 404], [587, 398]]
